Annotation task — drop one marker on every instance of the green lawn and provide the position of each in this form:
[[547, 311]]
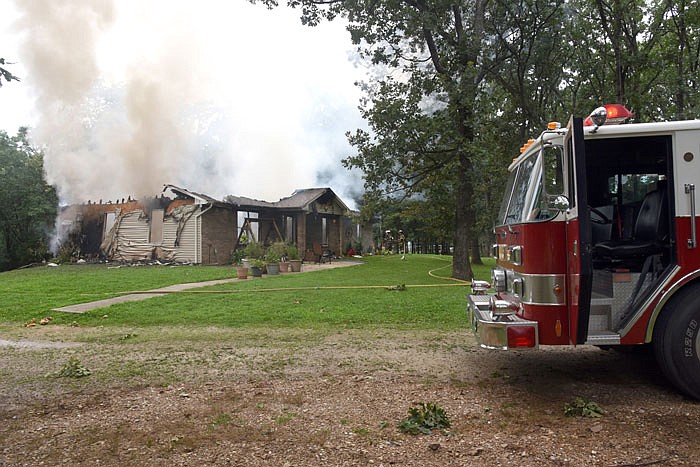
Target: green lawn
[[317, 301]]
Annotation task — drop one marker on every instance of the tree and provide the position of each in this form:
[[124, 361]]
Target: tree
[[454, 79], [5, 73], [423, 119], [645, 55], [528, 67], [677, 90], [28, 205]]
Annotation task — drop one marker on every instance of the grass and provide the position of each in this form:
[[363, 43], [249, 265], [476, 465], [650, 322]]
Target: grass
[[314, 303], [27, 293]]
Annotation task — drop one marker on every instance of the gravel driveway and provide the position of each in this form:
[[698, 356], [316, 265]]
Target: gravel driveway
[[255, 397]]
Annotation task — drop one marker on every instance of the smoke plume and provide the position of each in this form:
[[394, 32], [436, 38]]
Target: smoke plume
[[215, 97]]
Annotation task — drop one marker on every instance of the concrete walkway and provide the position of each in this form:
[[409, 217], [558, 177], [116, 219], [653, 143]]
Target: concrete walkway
[[84, 307]]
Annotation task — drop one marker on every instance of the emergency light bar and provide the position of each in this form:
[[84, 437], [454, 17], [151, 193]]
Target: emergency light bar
[[609, 114]]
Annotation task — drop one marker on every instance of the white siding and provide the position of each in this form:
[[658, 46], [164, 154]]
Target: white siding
[[132, 237], [187, 249]]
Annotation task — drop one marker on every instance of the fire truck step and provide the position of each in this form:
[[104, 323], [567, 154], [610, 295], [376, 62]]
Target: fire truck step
[[603, 338], [599, 319]]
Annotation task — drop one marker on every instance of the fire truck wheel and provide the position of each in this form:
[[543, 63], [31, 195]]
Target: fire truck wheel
[[677, 340]]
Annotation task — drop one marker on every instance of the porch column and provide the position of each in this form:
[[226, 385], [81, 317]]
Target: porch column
[[301, 233]]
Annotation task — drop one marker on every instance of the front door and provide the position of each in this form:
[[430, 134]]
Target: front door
[[578, 234]]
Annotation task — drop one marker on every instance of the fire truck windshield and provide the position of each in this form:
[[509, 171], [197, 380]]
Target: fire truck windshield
[[530, 184]]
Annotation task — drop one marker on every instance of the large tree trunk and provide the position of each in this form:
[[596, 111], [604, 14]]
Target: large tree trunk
[[464, 218], [475, 253]]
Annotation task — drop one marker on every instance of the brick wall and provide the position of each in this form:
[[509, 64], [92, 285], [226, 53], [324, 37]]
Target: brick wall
[[219, 230]]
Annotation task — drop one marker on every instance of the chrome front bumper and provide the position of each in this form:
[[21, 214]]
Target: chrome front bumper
[[499, 331]]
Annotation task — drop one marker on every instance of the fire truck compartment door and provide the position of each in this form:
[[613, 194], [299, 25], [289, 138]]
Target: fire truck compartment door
[[578, 234]]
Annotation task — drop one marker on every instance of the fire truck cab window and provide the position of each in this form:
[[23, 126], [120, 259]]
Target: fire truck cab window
[[634, 187], [549, 168], [519, 197], [537, 178], [553, 172], [625, 177]]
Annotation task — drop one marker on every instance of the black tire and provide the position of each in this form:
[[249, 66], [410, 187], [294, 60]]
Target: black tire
[[676, 340]]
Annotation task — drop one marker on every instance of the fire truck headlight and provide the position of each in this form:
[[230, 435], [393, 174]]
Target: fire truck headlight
[[498, 279]]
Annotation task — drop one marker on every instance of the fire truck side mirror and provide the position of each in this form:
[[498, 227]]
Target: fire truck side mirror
[[558, 202]]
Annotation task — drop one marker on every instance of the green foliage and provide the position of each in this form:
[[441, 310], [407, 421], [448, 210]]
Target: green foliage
[[73, 369], [254, 250], [461, 85], [27, 204], [292, 251], [257, 263], [276, 252], [582, 408], [68, 252], [237, 256], [424, 419]]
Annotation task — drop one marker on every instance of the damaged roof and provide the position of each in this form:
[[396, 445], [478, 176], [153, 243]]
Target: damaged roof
[[243, 202], [299, 200], [198, 197]]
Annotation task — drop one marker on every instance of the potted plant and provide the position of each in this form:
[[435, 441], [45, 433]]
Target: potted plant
[[254, 250], [256, 267], [272, 261], [293, 257], [279, 249], [241, 270]]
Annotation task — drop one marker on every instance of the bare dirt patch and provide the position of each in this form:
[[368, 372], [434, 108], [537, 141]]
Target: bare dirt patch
[[213, 396]]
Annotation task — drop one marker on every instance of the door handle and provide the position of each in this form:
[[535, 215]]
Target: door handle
[[690, 190]]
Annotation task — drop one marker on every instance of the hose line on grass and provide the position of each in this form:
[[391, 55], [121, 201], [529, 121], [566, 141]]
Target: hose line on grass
[[285, 289], [431, 273]]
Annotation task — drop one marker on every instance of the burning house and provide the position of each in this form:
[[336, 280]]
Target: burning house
[[184, 226], [179, 225]]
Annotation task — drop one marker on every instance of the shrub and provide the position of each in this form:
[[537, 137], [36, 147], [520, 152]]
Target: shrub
[[424, 419], [254, 250], [73, 369], [292, 251], [583, 408]]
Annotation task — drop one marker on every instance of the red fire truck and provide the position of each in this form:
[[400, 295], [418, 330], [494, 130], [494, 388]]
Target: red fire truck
[[596, 243]]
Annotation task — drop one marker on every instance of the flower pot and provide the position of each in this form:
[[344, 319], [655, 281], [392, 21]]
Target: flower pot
[[295, 265], [284, 266], [245, 263], [273, 269], [242, 272], [256, 272]]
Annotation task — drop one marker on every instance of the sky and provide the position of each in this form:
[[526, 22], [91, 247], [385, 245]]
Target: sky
[[216, 96]]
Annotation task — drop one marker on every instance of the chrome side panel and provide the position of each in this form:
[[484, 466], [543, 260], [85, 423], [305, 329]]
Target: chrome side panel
[[538, 289]]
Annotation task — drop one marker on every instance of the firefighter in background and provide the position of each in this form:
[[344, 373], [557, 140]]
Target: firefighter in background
[[388, 242], [402, 243]]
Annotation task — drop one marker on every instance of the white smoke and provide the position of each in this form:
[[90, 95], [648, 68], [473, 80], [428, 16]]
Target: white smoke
[[219, 97]]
